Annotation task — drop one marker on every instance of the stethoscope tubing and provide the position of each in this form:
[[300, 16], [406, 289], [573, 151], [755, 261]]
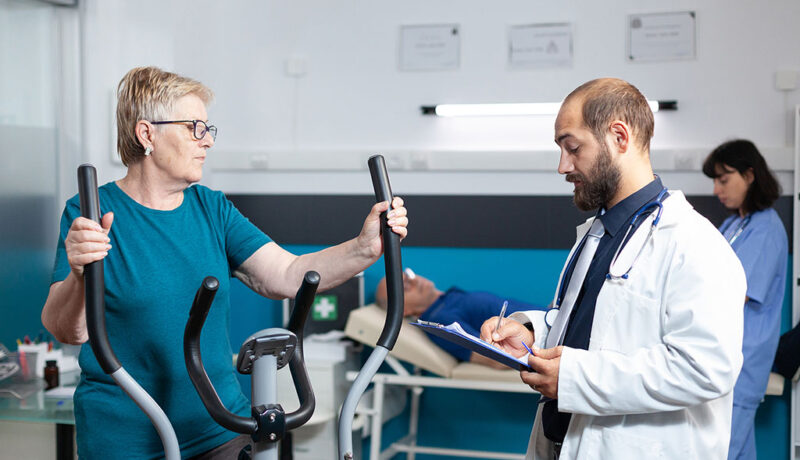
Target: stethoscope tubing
[[656, 203], [739, 229]]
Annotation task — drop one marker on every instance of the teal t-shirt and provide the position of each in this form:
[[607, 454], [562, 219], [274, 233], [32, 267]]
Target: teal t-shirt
[[157, 262]]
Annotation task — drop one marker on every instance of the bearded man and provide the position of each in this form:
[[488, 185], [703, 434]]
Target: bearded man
[[639, 355]]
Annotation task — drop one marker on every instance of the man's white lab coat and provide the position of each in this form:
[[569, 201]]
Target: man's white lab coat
[[664, 352]]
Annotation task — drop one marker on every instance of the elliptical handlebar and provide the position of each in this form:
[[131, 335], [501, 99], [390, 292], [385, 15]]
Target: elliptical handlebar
[[394, 310], [205, 389], [302, 303], [391, 256], [94, 285], [302, 383], [94, 298], [194, 362]]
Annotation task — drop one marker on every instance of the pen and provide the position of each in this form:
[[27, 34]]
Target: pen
[[527, 348], [500, 318]]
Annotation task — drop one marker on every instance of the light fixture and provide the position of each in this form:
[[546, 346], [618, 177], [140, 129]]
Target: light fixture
[[513, 109]]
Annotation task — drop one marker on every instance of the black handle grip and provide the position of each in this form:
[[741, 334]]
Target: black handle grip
[[391, 256], [302, 384], [94, 286], [302, 303], [194, 362]]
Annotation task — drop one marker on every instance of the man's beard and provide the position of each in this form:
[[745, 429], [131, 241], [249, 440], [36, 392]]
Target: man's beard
[[603, 185]]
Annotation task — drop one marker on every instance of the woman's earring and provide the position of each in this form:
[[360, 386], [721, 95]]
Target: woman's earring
[[147, 151]]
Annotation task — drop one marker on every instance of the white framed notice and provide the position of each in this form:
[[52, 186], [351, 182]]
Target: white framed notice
[[661, 36], [540, 46], [430, 47]]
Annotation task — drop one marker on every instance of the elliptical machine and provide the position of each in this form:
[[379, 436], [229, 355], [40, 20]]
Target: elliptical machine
[[268, 350], [261, 355]]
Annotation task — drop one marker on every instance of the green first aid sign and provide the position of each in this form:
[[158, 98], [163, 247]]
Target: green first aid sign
[[325, 308]]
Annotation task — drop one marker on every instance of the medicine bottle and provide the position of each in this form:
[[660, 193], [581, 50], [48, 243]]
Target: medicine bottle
[[51, 374]]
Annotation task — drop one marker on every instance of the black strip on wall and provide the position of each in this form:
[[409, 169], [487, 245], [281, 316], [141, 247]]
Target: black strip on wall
[[541, 222]]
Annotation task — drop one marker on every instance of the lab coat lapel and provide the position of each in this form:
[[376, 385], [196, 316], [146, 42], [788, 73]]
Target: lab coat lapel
[[580, 231]]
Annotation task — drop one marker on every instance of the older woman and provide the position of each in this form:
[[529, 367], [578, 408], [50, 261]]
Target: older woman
[[167, 235], [746, 187]]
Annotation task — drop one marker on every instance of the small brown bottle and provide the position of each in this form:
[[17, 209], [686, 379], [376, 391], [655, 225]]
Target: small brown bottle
[[51, 374]]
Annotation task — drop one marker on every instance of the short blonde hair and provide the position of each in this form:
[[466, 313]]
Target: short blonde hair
[[149, 93]]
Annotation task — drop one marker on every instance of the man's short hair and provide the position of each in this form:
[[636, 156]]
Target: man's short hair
[[149, 93], [609, 99]]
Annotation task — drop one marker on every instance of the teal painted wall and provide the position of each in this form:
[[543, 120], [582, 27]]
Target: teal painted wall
[[24, 284], [476, 420]]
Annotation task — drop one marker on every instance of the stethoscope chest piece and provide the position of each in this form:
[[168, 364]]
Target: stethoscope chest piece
[[550, 316]]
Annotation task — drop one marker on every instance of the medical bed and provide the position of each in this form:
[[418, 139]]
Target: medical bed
[[414, 347]]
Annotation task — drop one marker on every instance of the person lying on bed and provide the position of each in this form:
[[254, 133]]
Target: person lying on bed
[[424, 301]]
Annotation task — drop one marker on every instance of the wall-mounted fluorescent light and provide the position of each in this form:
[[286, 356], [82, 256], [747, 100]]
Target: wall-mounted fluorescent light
[[512, 109]]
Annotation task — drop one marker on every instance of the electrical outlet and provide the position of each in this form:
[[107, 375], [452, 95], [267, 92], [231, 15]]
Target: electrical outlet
[[786, 80], [419, 161], [259, 161], [394, 161], [684, 161], [296, 66]]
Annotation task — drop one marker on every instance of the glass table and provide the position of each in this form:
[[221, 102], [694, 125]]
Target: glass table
[[25, 401]]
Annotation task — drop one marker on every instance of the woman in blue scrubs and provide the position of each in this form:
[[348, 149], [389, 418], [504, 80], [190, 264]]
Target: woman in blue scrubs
[[747, 188]]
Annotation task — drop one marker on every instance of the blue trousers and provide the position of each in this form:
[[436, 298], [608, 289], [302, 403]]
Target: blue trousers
[[743, 435]]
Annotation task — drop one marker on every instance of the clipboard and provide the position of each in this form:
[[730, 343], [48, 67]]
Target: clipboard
[[455, 333]]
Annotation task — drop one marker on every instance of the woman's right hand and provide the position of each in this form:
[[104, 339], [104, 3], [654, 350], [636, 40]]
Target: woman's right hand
[[87, 242]]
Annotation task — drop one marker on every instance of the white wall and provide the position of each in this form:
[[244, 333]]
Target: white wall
[[354, 101], [27, 92], [27, 99]]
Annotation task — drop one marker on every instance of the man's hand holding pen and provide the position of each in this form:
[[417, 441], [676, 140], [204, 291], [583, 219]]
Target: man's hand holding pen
[[508, 336], [514, 338]]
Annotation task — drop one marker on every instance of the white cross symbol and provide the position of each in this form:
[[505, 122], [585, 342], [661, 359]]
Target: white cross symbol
[[324, 307]]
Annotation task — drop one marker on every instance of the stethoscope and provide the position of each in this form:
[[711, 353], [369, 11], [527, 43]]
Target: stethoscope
[[658, 205], [739, 229]]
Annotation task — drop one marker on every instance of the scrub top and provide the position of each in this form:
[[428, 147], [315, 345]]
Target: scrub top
[[760, 242]]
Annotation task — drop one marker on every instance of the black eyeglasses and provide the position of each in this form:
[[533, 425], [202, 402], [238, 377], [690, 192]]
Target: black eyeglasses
[[199, 127]]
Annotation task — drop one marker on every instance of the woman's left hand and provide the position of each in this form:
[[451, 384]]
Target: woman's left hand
[[370, 237]]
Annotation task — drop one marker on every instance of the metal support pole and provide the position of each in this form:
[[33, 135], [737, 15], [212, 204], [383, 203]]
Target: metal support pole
[[264, 381]]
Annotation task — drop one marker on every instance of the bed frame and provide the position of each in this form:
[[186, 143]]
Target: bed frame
[[414, 346]]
